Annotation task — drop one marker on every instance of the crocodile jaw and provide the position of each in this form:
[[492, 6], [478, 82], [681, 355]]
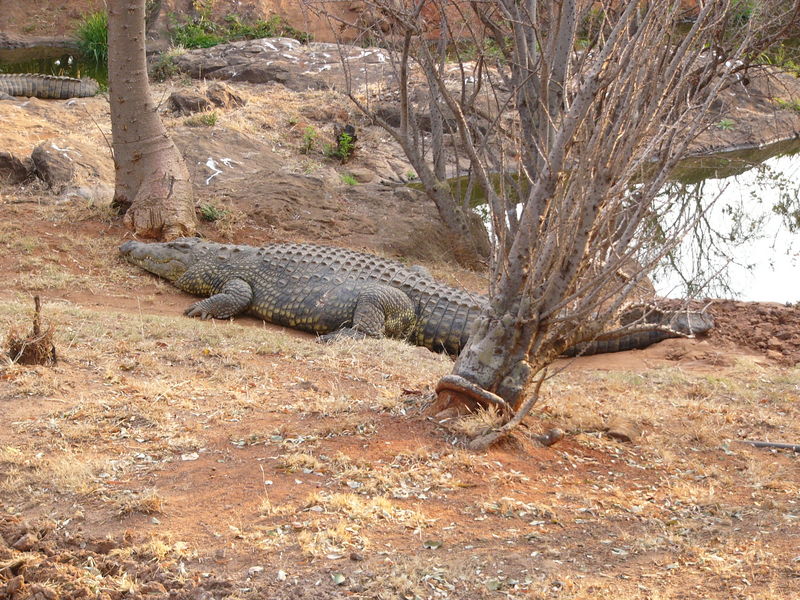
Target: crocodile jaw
[[169, 260]]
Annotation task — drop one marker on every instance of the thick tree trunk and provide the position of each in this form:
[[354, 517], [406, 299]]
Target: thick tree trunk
[[152, 181]]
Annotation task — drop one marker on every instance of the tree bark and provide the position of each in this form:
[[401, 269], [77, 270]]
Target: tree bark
[[153, 186]]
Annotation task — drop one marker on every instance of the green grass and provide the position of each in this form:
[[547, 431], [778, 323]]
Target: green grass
[[203, 32], [726, 124], [788, 104], [349, 179], [204, 119], [92, 36], [211, 213]]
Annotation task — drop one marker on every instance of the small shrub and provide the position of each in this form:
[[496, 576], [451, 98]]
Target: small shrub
[[205, 119], [345, 143], [202, 32], [309, 140], [349, 179], [165, 67], [725, 124], [211, 213], [92, 36]]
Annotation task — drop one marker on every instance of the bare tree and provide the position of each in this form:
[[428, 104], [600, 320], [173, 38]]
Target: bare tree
[[153, 186], [569, 116]]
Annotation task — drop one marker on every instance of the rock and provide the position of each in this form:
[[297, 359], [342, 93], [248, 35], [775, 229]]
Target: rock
[[53, 165], [187, 104], [95, 194], [153, 587], [774, 355], [552, 436], [362, 175], [13, 170], [623, 429], [774, 343], [26, 542], [40, 592], [284, 60], [13, 586], [222, 96]]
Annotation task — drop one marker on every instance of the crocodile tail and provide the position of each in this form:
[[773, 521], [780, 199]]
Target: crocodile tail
[[627, 341], [47, 86]]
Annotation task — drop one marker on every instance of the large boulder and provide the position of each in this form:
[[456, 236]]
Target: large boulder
[[288, 62], [53, 164]]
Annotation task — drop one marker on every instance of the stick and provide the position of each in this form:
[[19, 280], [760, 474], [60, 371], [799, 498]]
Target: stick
[[758, 444]]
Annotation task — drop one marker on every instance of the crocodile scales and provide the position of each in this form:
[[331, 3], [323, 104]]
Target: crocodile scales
[[47, 86], [334, 291]]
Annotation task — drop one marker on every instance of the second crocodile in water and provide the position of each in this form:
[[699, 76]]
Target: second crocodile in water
[[334, 291]]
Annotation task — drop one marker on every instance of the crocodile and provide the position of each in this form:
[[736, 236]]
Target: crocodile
[[47, 86], [334, 292]]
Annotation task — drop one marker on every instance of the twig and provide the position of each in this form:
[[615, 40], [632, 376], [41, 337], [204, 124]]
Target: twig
[[760, 444]]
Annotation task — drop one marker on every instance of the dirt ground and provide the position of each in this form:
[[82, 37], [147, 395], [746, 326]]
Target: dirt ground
[[165, 457]]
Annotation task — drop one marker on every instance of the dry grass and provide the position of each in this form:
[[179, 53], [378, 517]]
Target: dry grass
[[134, 393]]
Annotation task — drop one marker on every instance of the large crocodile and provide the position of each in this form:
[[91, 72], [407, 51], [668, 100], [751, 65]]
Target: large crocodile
[[333, 291], [47, 86]]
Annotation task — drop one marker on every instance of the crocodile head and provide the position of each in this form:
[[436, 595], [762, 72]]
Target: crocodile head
[[169, 260]]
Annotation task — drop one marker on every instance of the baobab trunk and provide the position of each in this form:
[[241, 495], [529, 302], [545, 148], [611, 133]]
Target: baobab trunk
[[152, 182]]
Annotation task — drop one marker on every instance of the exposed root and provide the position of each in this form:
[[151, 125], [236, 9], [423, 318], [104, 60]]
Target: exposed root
[[37, 347]]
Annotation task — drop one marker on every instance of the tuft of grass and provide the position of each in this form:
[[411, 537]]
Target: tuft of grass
[[788, 104], [92, 36], [309, 140], [147, 502], [204, 119], [725, 124], [348, 179]]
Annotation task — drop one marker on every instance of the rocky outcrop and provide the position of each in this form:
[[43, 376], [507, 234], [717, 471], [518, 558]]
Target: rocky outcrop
[[284, 60]]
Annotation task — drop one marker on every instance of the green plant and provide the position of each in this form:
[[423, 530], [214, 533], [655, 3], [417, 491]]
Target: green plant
[[165, 66], [345, 144], [203, 32], [309, 139], [789, 104], [725, 124], [204, 119], [211, 213], [92, 36], [349, 179], [742, 12]]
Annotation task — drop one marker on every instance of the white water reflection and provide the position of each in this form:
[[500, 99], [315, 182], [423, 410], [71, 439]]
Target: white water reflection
[[767, 267]]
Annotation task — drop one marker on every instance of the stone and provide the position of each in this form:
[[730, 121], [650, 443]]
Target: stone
[[362, 175], [187, 104], [53, 165], [26, 542], [623, 429], [153, 587], [222, 96], [13, 170]]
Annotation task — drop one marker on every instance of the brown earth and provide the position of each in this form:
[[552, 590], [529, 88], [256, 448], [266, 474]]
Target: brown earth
[[164, 457]]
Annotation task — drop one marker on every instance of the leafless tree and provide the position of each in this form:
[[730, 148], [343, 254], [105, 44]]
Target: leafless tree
[[153, 186], [569, 116]]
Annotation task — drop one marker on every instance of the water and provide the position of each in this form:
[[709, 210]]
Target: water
[[757, 211], [51, 61]]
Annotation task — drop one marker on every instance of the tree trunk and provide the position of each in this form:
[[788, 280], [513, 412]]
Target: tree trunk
[[152, 181]]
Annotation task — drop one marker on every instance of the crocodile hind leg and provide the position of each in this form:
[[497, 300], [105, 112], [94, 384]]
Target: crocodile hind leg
[[235, 297], [380, 311]]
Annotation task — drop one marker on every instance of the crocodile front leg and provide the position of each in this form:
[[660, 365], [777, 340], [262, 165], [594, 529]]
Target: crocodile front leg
[[380, 311], [235, 297]]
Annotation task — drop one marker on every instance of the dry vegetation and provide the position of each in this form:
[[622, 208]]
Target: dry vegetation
[[279, 466], [168, 457]]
